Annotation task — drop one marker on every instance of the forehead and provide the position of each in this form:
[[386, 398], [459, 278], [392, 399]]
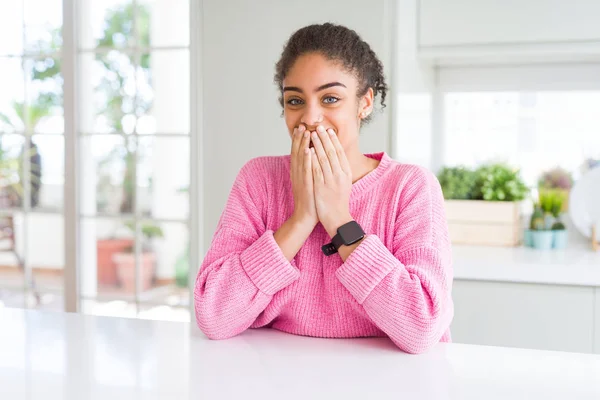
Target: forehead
[[312, 70]]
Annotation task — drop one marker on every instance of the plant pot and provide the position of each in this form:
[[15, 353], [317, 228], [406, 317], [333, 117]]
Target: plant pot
[[106, 267], [528, 238], [543, 240], [480, 222], [548, 221], [125, 263], [560, 239]]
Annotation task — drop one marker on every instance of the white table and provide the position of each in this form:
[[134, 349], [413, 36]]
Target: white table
[[69, 356]]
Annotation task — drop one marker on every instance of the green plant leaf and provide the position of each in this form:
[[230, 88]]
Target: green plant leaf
[[457, 182], [499, 182]]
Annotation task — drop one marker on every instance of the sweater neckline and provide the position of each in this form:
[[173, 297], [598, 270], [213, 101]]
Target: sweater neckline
[[363, 184]]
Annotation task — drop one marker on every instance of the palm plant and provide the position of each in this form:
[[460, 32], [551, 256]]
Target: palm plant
[[119, 24]]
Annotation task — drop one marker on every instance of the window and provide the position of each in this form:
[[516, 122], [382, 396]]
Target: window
[[535, 131], [31, 153], [534, 117], [133, 127]]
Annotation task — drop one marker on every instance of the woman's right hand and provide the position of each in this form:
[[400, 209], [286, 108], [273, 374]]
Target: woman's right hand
[[305, 210]]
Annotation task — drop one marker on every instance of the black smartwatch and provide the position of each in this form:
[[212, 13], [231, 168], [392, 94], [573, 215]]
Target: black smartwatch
[[347, 235]]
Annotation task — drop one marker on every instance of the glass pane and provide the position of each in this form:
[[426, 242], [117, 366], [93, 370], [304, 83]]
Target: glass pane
[[43, 22], [110, 159], [12, 94], [163, 96], [164, 177], [106, 23], [11, 267], [163, 22], [11, 26], [103, 241], [11, 187], [44, 108], [107, 93], [164, 264], [47, 171], [34, 242], [534, 131], [44, 246]]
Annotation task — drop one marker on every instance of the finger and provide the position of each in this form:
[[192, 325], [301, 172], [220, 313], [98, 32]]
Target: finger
[[304, 139], [317, 172], [307, 168], [341, 153], [330, 149], [295, 144], [294, 152], [321, 156]]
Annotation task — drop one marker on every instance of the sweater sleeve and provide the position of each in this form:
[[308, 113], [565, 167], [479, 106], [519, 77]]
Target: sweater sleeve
[[406, 290], [244, 267]]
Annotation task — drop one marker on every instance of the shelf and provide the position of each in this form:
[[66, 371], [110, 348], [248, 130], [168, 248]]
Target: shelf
[[577, 265]]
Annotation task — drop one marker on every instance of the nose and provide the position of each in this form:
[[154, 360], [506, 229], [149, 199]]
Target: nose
[[312, 117]]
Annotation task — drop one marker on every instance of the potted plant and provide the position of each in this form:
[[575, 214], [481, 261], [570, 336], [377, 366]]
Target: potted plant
[[457, 182], [541, 236], [559, 230], [546, 230], [105, 251], [125, 260], [483, 205], [557, 178]]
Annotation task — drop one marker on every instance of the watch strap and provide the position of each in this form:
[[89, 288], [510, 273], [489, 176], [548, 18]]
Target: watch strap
[[328, 249]]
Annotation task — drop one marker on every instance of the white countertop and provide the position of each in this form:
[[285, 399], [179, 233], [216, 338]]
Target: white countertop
[[52, 356], [576, 265]]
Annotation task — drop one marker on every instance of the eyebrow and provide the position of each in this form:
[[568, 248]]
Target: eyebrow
[[322, 87]]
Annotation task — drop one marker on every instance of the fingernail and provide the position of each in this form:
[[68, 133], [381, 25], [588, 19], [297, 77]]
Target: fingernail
[[314, 135], [331, 132], [301, 128], [312, 150], [305, 134], [320, 129]]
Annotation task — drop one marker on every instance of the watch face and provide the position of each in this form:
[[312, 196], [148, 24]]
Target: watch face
[[351, 232]]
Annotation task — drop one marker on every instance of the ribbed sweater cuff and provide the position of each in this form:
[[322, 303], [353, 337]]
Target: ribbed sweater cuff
[[365, 267], [266, 265]]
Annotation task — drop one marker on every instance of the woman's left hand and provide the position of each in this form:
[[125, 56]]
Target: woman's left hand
[[332, 179]]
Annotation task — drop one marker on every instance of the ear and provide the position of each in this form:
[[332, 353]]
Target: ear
[[365, 104]]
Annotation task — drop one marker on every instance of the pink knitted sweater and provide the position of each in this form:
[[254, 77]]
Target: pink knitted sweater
[[396, 283]]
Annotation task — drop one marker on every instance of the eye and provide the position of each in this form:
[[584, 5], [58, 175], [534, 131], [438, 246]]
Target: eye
[[330, 100], [294, 102]]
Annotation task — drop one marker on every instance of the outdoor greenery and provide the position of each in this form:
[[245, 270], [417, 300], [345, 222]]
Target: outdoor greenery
[[119, 25], [27, 117]]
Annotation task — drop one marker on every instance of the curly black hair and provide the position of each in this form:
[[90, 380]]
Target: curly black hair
[[336, 43]]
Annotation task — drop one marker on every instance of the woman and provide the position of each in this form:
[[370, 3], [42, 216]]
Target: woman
[[327, 241]]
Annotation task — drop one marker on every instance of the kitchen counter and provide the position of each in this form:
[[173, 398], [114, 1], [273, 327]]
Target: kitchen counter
[[51, 356], [576, 265]]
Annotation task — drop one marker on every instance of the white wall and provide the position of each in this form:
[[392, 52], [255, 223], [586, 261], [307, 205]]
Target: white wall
[[414, 91], [242, 41]]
